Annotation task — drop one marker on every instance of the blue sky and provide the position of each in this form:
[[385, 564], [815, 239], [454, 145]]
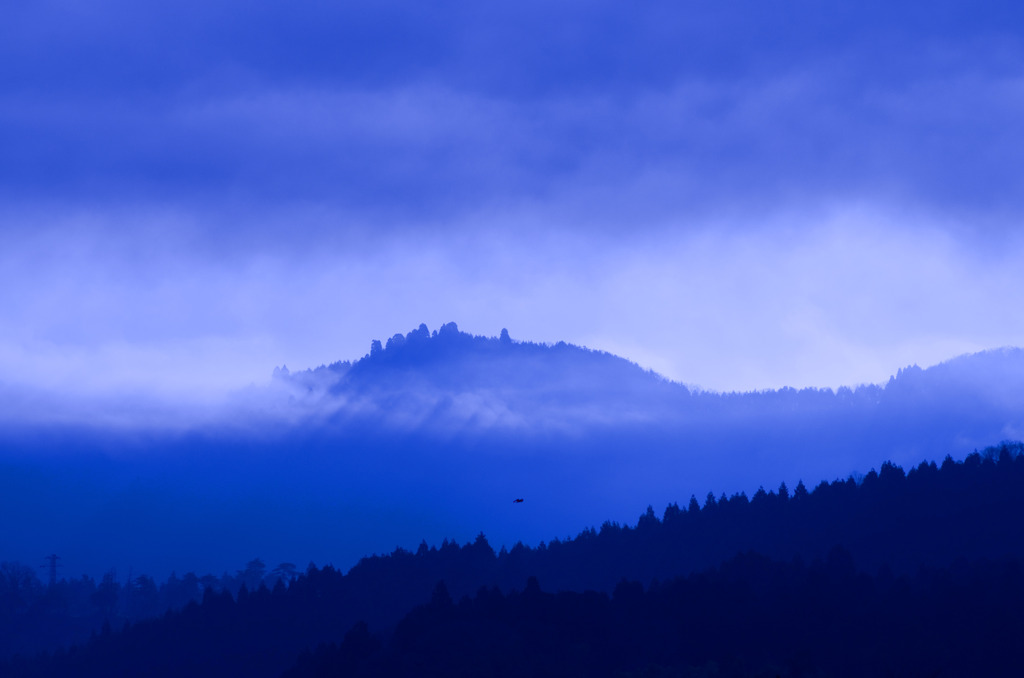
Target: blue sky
[[736, 194]]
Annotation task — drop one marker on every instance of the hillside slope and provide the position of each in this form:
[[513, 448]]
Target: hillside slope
[[926, 549]]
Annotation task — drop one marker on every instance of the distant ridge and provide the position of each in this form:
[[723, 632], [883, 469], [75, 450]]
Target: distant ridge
[[447, 353], [435, 354], [448, 376], [452, 376]]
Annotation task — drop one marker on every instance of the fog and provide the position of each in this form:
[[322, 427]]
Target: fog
[[97, 313], [431, 437]]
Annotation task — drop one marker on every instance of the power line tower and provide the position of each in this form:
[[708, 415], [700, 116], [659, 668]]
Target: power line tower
[[52, 560]]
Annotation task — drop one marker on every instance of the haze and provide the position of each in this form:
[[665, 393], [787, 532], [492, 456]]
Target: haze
[[737, 197]]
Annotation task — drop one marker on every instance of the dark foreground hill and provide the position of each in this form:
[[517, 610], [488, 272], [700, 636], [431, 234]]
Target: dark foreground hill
[[897, 574], [751, 616]]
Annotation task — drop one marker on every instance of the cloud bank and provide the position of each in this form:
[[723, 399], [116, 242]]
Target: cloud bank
[[736, 195]]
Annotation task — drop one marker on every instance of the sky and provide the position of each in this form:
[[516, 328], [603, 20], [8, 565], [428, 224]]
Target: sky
[[739, 195]]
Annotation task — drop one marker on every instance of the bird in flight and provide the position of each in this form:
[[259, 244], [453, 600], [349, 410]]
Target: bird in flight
[[517, 501]]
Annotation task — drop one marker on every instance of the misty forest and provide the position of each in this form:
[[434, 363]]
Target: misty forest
[[912, 567], [736, 388]]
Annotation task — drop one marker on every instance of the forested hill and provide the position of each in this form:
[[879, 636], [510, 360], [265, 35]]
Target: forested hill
[[450, 380], [751, 617], [948, 519], [450, 377], [449, 360]]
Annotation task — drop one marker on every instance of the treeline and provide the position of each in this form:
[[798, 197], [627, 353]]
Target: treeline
[[36, 617], [944, 518], [448, 357], [751, 616], [932, 516]]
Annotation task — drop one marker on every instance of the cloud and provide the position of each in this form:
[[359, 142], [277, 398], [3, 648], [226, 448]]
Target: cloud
[[435, 153], [740, 199], [847, 299], [385, 114]]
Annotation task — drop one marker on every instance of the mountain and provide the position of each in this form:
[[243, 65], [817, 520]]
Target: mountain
[[433, 434], [509, 397], [450, 379]]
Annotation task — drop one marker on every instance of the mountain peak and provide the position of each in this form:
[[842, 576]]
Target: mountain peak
[[425, 376]]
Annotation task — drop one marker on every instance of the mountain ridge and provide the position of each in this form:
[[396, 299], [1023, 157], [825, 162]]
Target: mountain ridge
[[450, 343], [424, 373]]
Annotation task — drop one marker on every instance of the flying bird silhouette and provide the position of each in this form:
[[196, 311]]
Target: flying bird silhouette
[[517, 501]]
